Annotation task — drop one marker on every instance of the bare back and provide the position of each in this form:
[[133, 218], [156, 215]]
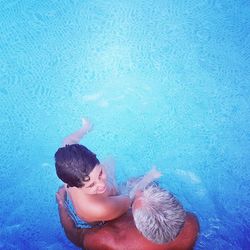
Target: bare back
[[121, 234]]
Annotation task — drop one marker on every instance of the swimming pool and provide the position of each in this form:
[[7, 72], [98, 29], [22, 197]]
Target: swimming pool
[[164, 82]]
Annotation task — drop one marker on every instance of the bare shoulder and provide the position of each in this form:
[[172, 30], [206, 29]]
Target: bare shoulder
[[192, 221], [189, 232], [84, 205], [93, 209]]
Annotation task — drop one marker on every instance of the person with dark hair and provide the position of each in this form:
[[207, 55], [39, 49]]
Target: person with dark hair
[[90, 185], [74, 164], [156, 221]]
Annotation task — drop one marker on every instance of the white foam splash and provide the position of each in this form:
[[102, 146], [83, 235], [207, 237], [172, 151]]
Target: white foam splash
[[195, 179]]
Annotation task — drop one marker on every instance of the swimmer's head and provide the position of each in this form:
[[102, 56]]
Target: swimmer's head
[[74, 164], [158, 215]]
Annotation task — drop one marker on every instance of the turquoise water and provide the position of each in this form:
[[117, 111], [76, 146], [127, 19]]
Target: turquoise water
[[164, 82]]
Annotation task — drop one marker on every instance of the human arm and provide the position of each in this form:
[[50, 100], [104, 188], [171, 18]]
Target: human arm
[[152, 175], [109, 166], [103, 209], [75, 137], [74, 234]]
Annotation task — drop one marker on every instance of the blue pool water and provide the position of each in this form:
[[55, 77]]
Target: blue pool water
[[164, 82]]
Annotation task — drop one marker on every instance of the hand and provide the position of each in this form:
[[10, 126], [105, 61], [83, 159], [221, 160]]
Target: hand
[[124, 188], [61, 196], [154, 173], [132, 182], [86, 124]]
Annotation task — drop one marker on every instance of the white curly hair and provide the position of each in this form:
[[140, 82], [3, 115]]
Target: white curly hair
[[160, 216]]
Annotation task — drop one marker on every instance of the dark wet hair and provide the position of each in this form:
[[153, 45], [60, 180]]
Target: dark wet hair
[[74, 164]]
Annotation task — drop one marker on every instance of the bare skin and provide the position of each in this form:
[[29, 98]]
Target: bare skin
[[79, 134], [98, 199], [103, 201], [121, 233]]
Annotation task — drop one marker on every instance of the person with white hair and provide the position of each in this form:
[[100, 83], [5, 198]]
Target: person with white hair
[[156, 221], [158, 215]]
